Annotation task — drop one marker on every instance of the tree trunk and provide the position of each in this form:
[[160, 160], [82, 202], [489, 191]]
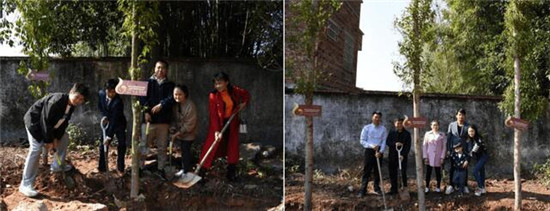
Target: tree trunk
[[309, 156], [517, 137], [135, 74], [418, 150]]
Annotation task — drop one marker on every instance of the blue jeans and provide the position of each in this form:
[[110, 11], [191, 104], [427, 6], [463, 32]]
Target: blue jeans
[[479, 170], [459, 178]]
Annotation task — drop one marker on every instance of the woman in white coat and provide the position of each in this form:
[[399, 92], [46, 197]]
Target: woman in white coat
[[434, 153]]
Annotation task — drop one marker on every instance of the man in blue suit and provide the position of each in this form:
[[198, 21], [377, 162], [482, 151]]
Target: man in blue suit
[[112, 110], [457, 133]]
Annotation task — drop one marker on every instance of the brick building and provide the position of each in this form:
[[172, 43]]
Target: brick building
[[338, 47]]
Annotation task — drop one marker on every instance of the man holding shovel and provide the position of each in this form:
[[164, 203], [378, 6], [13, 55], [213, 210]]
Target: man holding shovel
[[46, 122], [157, 116], [112, 111], [398, 138], [373, 139]]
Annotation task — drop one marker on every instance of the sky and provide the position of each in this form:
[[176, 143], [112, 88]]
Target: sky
[[379, 50]]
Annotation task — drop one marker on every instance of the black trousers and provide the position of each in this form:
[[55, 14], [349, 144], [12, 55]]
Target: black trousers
[[393, 168], [121, 151], [429, 175], [369, 166], [186, 155]]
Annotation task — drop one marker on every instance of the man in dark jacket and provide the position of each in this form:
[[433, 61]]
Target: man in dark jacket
[[159, 102], [399, 137], [112, 111], [45, 122]]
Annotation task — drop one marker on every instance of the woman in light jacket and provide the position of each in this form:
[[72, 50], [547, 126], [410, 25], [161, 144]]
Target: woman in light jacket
[[434, 153], [184, 125]]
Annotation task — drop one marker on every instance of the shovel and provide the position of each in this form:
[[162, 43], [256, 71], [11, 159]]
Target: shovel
[[68, 180], [403, 194], [189, 179], [105, 148], [110, 184], [170, 170], [381, 179]]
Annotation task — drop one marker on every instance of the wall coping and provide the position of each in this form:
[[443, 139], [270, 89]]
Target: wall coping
[[406, 94]]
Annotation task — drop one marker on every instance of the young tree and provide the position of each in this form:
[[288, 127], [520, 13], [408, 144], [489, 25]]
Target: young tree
[[140, 19], [519, 53], [306, 21], [416, 28]]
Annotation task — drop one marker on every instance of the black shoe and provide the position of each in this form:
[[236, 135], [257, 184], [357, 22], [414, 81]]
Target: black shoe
[[231, 172], [361, 194], [161, 174]]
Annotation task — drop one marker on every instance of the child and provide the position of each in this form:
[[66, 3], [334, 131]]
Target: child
[[112, 110], [184, 125], [460, 163], [434, 154], [46, 122]]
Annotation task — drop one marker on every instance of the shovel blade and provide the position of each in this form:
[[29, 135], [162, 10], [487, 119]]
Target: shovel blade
[[187, 180]]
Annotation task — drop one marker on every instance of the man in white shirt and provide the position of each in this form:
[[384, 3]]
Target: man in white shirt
[[373, 139]]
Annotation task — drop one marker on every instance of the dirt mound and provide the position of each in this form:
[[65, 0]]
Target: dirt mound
[[339, 192]]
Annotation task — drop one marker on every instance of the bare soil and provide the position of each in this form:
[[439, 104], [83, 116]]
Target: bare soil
[[339, 192], [252, 191]]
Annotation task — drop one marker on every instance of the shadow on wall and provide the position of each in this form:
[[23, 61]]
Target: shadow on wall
[[263, 114]]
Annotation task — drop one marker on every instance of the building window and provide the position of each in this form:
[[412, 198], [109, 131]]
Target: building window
[[332, 30], [349, 51]]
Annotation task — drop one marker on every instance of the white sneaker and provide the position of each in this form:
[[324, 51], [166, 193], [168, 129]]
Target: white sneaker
[[68, 167], [466, 190], [427, 190], [480, 191], [438, 190], [27, 191], [449, 190], [179, 173]]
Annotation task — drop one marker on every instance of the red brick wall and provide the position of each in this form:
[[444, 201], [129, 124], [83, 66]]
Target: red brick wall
[[331, 52]]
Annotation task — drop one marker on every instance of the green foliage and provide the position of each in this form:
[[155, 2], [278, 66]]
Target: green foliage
[[77, 135], [416, 27], [140, 18], [543, 172], [466, 56], [473, 50], [305, 26], [520, 40]]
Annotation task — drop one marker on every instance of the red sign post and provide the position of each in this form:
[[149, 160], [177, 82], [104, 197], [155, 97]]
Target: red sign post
[[519, 124], [38, 76], [138, 88], [307, 110], [415, 122]]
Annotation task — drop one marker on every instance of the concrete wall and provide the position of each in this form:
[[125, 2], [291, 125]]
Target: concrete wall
[[264, 113], [337, 131]]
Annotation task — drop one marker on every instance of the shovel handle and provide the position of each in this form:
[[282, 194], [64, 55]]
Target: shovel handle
[[399, 154], [215, 142], [105, 148]]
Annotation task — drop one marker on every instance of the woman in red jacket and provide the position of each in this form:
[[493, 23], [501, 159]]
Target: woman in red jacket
[[225, 100]]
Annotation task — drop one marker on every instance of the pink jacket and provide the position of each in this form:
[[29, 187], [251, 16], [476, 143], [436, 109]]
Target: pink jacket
[[434, 148]]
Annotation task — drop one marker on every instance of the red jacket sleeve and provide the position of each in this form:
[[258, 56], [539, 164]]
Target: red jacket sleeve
[[242, 94]]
